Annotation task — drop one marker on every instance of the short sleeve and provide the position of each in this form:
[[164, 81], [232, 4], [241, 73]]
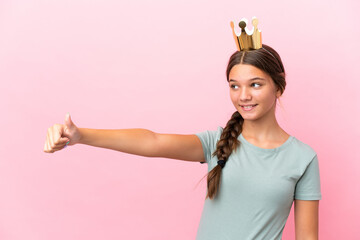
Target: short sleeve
[[308, 185], [208, 140]]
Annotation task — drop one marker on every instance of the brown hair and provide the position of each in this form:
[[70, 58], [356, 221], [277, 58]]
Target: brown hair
[[269, 61]]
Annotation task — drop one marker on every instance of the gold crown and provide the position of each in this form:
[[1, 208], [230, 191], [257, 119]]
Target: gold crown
[[247, 40]]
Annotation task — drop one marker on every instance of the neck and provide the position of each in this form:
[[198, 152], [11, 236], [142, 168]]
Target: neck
[[265, 128]]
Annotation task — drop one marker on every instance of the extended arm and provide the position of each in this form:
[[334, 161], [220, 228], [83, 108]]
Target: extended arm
[[136, 141], [145, 143], [306, 219]]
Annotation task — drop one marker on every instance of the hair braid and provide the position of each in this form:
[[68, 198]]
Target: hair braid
[[227, 143]]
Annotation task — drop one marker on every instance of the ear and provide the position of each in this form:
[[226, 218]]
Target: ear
[[278, 92]]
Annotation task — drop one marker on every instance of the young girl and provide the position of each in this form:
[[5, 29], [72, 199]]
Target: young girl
[[256, 169]]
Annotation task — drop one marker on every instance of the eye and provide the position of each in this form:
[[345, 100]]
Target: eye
[[233, 86], [256, 83]]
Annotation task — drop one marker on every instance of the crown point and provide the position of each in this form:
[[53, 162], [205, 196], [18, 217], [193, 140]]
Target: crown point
[[242, 25], [255, 22]]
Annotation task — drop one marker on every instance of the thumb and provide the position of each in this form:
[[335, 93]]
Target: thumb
[[68, 122]]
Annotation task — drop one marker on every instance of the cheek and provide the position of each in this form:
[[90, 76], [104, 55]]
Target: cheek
[[267, 96], [233, 98], [270, 99]]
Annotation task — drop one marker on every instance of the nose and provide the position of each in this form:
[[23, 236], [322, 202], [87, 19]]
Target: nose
[[245, 95]]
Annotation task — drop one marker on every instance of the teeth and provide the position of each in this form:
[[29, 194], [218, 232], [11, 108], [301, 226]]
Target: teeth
[[248, 107]]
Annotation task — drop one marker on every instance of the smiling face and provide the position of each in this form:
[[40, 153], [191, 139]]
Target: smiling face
[[251, 86]]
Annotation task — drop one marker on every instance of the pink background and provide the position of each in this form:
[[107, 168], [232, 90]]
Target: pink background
[[161, 65]]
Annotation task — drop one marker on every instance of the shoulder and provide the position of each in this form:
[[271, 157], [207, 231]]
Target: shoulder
[[303, 149], [303, 146], [212, 135]]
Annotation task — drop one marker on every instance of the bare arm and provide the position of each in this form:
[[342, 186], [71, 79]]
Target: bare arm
[[306, 219], [144, 142], [136, 141]]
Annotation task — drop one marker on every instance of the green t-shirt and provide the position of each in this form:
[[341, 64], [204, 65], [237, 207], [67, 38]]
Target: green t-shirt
[[257, 188]]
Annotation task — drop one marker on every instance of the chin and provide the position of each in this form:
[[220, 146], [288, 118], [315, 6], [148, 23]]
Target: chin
[[247, 117]]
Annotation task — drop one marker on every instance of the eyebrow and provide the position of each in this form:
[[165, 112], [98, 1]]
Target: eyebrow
[[251, 79]]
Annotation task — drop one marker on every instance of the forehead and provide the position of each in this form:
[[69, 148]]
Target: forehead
[[245, 72]]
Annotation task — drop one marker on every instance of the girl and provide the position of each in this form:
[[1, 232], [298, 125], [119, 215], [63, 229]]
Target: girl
[[256, 169]]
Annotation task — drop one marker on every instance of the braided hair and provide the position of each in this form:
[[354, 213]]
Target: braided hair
[[267, 60]]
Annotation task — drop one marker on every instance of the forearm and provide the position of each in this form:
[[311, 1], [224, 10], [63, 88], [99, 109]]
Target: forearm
[[134, 141]]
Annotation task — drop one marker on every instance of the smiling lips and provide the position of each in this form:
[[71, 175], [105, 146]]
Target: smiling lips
[[248, 107]]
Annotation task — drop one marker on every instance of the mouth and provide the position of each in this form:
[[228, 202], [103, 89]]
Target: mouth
[[248, 107]]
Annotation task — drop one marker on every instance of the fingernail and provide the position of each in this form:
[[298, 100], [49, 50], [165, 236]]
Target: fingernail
[[67, 143]]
